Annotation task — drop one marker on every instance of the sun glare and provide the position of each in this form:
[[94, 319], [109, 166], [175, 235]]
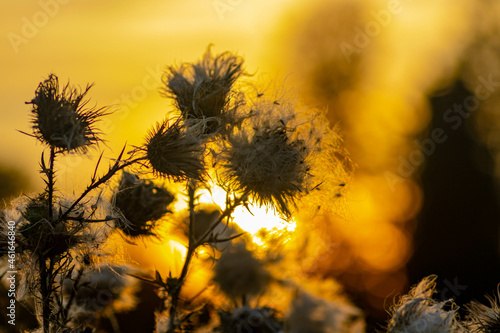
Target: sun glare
[[252, 220]]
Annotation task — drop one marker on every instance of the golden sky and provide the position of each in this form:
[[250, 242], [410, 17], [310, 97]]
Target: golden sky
[[123, 47]]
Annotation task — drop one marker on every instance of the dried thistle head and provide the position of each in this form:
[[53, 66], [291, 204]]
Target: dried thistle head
[[245, 318], [98, 292], [270, 159], [204, 216], [239, 274], [45, 236], [40, 235], [482, 318], [61, 119], [418, 312], [175, 151], [139, 204], [312, 314], [203, 91]]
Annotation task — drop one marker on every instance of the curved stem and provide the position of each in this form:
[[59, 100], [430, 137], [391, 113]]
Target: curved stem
[[98, 182], [189, 255], [193, 245]]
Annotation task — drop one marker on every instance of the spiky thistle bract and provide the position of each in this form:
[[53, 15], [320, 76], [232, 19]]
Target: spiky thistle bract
[[139, 204], [270, 158], [483, 318], [175, 151], [418, 312], [61, 118], [203, 91]]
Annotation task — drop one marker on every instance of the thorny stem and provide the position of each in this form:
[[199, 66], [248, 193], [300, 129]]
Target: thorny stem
[[45, 289], [193, 245], [45, 274], [50, 180], [189, 255], [98, 182], [227, 213]]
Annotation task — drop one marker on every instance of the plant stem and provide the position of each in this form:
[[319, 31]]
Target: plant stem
[[45, 291], [189, 255], [45, 274], [98, 182], [227, 213], [193, 245], [50, 181]]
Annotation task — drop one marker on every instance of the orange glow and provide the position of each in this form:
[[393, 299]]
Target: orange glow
[[378, 96], [251, 220]]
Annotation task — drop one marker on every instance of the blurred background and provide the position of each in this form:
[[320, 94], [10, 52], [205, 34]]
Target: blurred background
[[413, 85]]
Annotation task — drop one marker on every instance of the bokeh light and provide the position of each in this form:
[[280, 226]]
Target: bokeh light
[[372, 65]]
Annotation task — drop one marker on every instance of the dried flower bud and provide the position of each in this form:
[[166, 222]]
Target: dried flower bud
[[46, 236], [203, 91], [484, 319], [317, 315], [247, 319], [100, 288], [270, 160], [175, 151], [140, 203], [239, 274], [60, 119], [417, 312], [40, 235]]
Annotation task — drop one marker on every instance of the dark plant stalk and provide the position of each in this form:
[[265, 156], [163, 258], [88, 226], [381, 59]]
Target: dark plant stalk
[[227, 213], [45, 273], [50, 181], [189, 255], [45, 290], [193, 245]]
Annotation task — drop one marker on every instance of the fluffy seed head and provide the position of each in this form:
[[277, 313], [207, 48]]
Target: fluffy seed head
[[270, 159], [60, 118], [203, 90], [312, 314], [101, 288], [41, 235], [239, 274], [484, 319], [139, 204], [417, 312], [261, 320], [175, 151]]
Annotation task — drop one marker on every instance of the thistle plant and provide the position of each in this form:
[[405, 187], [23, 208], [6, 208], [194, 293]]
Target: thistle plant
[[419, 312], [204, 91], [60, 236], [483, 318], [262, 151]]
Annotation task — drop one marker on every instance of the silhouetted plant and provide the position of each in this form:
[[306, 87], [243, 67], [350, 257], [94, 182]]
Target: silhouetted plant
[[262, 151]]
